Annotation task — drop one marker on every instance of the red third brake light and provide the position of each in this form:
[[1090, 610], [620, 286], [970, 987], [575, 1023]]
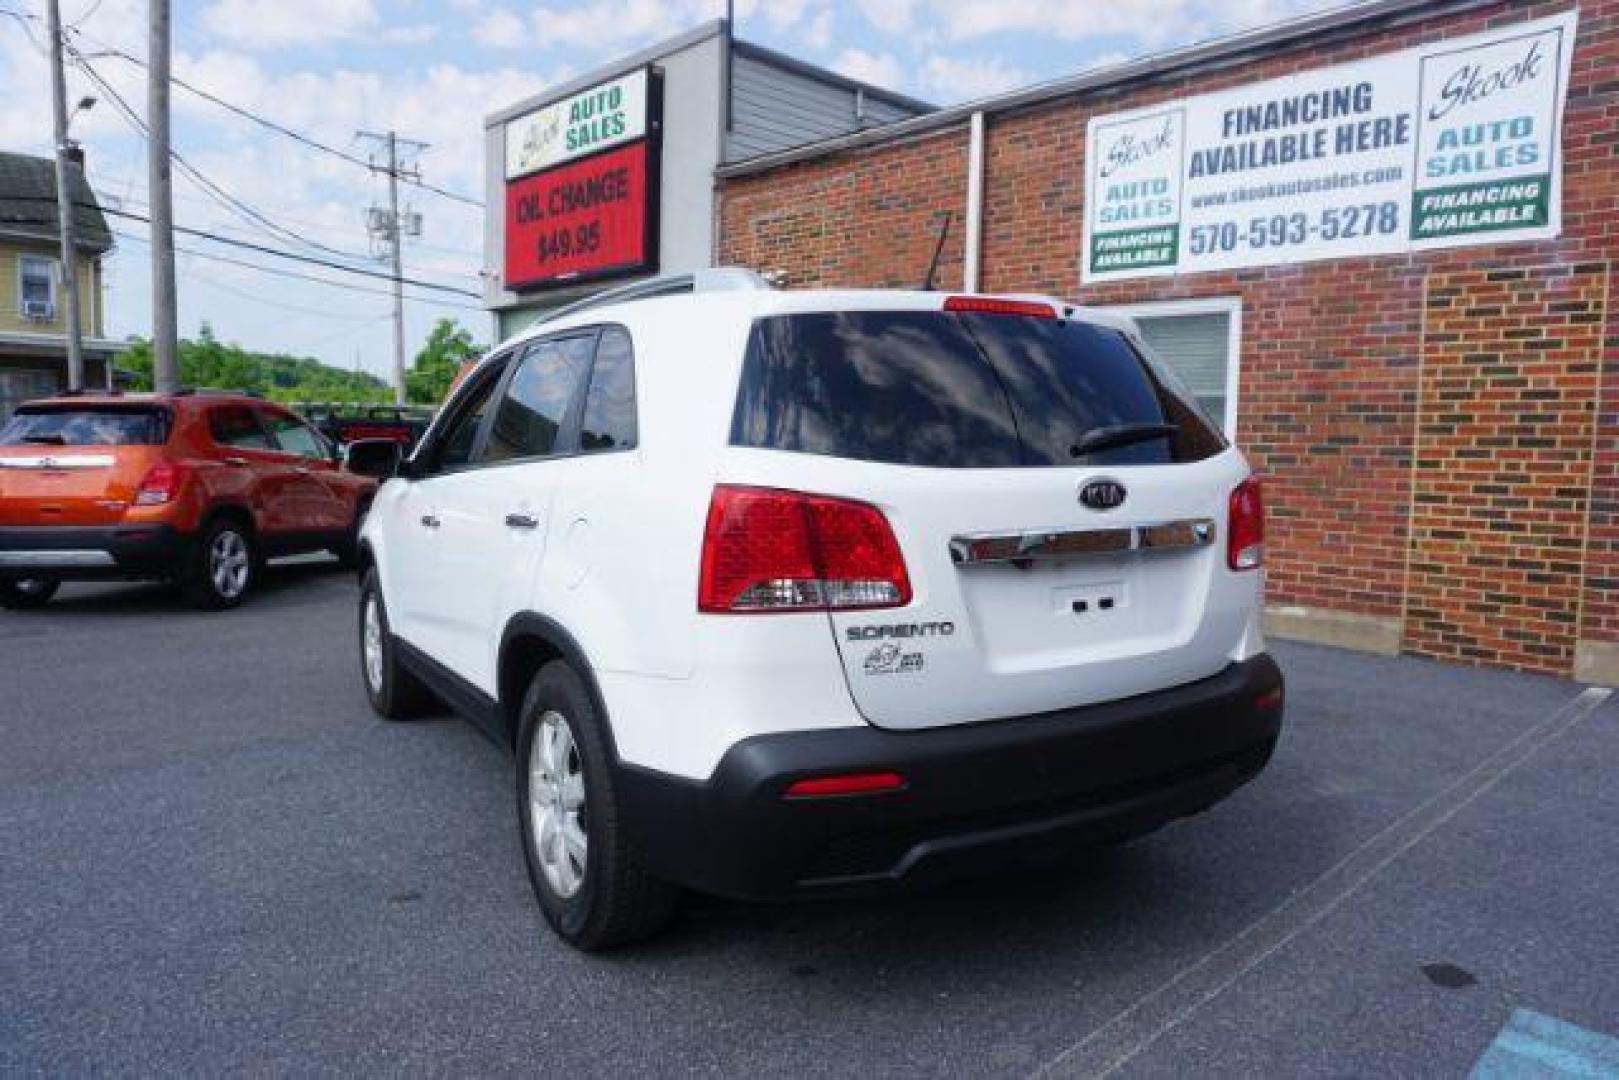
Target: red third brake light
[[1245, 534], [766, 550], [160, 485], [989, 305]]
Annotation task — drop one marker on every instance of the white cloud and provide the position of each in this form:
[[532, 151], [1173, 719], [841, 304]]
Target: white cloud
[[818, 31], [607, 26], [889, 16], [880, 69], [415, 34], [499, 29], [270, 24], [1152, 22], [951, 79]]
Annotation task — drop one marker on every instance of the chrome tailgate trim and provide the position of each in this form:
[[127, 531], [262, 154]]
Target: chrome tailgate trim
[[977, 549]]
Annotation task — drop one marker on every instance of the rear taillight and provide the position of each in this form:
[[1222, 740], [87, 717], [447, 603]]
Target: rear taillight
[[160, 485], [1245, 535], [766, 550]]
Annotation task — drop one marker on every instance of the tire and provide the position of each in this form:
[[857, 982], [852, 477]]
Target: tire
[[611, 900], [21, 594], [394, 693], [348, 552], [222, 567]]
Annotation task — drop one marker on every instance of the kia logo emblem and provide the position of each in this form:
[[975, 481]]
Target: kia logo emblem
[[1102, 494]]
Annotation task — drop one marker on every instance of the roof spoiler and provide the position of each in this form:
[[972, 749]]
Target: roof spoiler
[[715, 279]]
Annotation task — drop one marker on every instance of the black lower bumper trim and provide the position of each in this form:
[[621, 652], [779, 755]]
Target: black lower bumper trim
[[975, 795], [135, 551]]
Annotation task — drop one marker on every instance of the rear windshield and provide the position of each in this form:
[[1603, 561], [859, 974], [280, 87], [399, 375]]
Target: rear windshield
[[962, 391], [112, 425]]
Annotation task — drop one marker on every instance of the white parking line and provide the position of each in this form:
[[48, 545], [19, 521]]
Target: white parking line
[[1116, 1042]]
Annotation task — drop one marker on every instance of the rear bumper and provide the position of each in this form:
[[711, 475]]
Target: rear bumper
[[976, 795], [87, 553]]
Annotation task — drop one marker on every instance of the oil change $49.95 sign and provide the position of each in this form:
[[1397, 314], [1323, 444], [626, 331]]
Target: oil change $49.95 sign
[[1444, 145]]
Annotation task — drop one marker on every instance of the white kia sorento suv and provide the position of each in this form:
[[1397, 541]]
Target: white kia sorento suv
[[782, 593]]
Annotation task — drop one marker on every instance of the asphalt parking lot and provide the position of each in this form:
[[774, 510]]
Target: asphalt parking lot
[[213, 858]]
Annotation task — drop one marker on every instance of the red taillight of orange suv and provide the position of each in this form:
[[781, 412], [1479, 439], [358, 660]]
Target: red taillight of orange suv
[[160, 485]]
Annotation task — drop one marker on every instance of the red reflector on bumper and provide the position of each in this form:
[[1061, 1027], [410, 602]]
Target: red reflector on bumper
[[849, 784], [1270, 699]]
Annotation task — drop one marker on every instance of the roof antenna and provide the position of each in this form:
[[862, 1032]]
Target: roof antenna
[[938, 249]]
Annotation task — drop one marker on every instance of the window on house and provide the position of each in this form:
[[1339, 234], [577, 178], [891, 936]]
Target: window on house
[[36, 287], [1199, 340]]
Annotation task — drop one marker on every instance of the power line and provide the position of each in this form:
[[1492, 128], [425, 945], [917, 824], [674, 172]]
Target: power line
[[106, 188], [250, 246], [282, 129], [280, 272], [215, 191]]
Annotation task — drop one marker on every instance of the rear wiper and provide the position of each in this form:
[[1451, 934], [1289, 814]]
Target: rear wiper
[[45, 440], [1116, 435]]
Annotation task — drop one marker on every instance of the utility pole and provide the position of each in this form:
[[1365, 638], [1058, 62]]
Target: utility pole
[[165, 318], [390, 227], [64, 206], [398, 270]]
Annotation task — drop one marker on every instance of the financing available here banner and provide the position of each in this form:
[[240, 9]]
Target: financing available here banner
[[1445, 145]]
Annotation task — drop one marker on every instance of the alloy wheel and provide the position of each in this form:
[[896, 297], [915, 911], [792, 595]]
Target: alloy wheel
[[371, 643], [229, 564], [556, 792]]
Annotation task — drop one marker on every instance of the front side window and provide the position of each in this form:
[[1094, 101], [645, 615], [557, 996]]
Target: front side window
[[609, 419], [535, 406], [36, 286], [238, 426], [453, 448], [296, 437]]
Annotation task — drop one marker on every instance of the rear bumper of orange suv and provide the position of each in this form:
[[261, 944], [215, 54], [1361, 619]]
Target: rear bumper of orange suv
[[89, 553]]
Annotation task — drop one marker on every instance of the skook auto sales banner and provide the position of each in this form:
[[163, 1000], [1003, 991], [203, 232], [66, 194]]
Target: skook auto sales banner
[[1445, 145]]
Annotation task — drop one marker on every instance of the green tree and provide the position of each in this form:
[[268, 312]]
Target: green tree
[[207, 361], [448, 347]]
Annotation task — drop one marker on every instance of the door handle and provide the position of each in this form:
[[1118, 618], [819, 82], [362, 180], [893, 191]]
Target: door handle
[[236, 462], [301, 470], [430, 521], [522, 521]]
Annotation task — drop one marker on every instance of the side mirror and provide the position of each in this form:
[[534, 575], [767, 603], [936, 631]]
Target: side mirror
[[380, 458]]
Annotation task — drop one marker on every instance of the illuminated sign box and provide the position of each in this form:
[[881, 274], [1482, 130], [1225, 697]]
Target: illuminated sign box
[[607, 115], [592, 218]]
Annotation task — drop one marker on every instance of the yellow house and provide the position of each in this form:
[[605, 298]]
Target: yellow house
[[33, 342]]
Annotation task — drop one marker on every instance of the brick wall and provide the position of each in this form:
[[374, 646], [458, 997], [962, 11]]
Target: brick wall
[[1336, 404]]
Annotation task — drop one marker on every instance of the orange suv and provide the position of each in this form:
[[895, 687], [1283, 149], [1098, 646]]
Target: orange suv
[[195, 487]]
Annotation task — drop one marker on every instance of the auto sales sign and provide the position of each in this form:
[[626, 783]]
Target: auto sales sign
[[1445, 145], [581, 185]]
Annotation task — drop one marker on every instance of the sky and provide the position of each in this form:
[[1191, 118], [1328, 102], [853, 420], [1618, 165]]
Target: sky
[[431, 70]]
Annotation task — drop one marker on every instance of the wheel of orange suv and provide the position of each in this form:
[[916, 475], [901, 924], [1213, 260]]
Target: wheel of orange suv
[[23, 593], [585, 874], [223, 566]]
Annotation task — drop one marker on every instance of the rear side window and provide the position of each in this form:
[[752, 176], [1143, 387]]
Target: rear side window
[[530, 417], [237, 426], [907, 388], [609, 420], [961, 391], [79, 426], [296, 437]]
